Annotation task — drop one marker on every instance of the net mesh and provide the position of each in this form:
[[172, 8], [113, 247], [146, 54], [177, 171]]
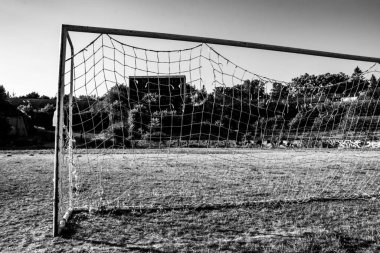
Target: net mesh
[[190, 128]]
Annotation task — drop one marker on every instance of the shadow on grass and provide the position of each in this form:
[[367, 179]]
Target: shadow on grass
[[352, 245], [274, 204], [72, 228], [189, 225], [124, 246]]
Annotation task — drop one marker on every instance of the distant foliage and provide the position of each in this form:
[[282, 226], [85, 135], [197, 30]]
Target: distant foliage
[[5, 128], [31, 95], [48, 108], [3, 94], [309, 103], [27, 109]]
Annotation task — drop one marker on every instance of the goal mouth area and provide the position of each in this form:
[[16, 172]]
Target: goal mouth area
[[142, 129]]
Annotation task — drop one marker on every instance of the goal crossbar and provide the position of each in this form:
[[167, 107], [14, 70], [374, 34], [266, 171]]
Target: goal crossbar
[[235, 43]]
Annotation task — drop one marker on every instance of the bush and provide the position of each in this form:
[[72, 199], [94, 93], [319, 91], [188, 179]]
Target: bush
[[48, 108], [121, 135], [43, 119], [5, 128], [365, 108], [27, 109], [360, 124]]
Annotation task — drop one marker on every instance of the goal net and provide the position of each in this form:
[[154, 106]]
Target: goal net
[[144, 127]]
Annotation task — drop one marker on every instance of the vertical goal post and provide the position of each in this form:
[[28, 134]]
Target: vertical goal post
[[59, 222]]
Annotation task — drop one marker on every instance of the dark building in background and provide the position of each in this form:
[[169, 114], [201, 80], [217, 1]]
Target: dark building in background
[[171, 89]]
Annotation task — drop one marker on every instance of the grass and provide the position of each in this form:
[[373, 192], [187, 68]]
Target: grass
[[218, 189]]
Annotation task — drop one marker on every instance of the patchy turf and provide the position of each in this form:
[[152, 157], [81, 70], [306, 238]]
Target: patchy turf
[[331, 226]]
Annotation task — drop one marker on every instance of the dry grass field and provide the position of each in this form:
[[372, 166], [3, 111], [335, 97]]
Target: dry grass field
[[195, 200]]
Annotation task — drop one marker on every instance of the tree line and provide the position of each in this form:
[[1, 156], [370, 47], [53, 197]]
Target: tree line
[[308, 104]]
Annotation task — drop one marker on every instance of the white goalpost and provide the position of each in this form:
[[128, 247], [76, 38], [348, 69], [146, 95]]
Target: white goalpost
[[141, 127]]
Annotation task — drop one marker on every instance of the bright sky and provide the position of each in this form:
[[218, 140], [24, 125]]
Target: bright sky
[[30, 32]]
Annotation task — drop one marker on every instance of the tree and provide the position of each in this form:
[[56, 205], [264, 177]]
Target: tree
[[374, 89], [118, 92], [4, 125], [48, 108], [4, 130], [357, 72], [279, 91], [373, 82], [27, 109], [3, 94], [194, 96], [32, 95], [255, 88]]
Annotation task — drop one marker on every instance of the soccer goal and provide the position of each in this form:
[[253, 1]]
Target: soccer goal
[[152, 121]]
